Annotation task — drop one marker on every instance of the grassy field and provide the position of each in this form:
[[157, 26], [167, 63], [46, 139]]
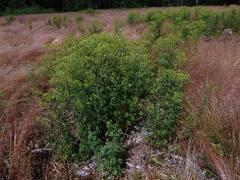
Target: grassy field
[[148, 93]]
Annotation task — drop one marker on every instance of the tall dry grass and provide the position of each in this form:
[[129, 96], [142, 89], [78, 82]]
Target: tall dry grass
[[212, 97], [19, 133]]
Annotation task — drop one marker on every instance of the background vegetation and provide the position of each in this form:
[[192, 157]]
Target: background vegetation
[[36, 6]]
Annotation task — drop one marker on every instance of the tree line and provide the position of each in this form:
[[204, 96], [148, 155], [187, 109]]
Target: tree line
[[71, 5]]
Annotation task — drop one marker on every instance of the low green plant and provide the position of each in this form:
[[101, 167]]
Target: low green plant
[[79, 19], [65, 21], [134, 18], [57, 21], [95, 27], [99, 85], [117, 26], [109, 159], [10, 19]]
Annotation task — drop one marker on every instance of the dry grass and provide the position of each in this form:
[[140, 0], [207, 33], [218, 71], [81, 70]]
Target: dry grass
[[214, 89]]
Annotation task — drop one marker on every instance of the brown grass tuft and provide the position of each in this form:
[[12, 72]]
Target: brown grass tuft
[[214, 90]]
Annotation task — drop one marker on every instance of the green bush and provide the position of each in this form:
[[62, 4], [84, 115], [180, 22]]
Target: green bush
[[165, 102], [232, 20], [181, 15], [95, 27], [10, 19], [150, 15], [193, 30], [166, 52], [57, 21], [156, 25], [166, 105], [99, 83], [134, 18]]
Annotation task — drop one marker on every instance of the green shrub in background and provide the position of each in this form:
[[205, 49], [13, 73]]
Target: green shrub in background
[[134, 18], [99, 84], [95, 27], [10, 19], [57, 21], [79, 19], [166, 52], [181, 15], [65, 21], [231, 19], [193, 30], [149, 16]]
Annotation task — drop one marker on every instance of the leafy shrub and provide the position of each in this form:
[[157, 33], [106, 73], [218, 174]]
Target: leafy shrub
[[95, 27], [181, 15], [166, 52], [117, 26], [134, 18], [149, 16], [57, 21], [166, 106], [156, 25], [214, 24], [232, 20], [165, 103], [99, 83], [193, 30], [10, 19]]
